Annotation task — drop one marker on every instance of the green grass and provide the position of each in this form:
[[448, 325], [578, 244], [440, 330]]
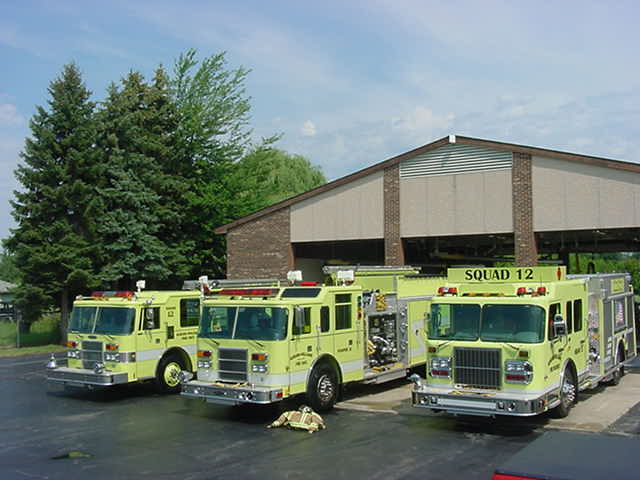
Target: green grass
[[44, 331], [17, 352]]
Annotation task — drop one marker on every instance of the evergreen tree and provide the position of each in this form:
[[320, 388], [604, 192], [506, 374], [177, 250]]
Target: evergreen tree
[[8, 270], [55, 210], [140, 222]]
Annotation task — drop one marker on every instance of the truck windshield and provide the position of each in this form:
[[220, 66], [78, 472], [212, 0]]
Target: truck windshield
[[490, 323], [454, 322], [249, 323], [512, 323], [102, 320]]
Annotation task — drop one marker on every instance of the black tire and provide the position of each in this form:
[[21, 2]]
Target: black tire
[[568, 394], [323, 388], [618, 373], [167, 375]]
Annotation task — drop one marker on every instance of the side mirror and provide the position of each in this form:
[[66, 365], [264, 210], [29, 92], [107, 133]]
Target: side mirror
[[559, 325], [298, 319], [148, 319]]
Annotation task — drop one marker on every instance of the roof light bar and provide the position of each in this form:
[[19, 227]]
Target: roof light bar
[[112, 293], [249, 292]]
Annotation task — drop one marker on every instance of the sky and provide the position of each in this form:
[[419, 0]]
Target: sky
[[352, 83]]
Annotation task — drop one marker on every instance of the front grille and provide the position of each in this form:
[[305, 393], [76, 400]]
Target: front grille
[[477, 367], [91, 353], [232, 364]]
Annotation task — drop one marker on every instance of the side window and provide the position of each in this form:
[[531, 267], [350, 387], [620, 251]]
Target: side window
[[151, 318], [189, 312], [569, 317], [554, 309], [577, 315], [306, 328], [343, 311], [324, 319]]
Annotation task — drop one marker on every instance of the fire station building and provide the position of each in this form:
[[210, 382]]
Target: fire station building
[[458, 200]]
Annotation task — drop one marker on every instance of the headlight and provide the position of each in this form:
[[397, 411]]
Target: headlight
[[518, 371], [73, 354], [204, 363], [111, 357], [440, 367], [259, 368]]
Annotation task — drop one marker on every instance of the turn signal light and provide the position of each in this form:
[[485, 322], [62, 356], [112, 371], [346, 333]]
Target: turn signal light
[[204, 353], [259, 357], [111, 346], [448, 290], [72, 344]]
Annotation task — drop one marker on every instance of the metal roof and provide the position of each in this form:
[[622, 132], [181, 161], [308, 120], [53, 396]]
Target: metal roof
[[6, 286], [451, 139]]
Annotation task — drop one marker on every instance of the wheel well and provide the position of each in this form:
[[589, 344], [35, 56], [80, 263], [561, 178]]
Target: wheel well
[[179, 353], [327, 360], [573, 369]]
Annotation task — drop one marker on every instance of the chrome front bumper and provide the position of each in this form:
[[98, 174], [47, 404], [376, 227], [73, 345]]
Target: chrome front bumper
[[482, 403], [81, 377], [230, 394]]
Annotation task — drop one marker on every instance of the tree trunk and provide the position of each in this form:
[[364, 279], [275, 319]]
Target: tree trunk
[[64, 316]]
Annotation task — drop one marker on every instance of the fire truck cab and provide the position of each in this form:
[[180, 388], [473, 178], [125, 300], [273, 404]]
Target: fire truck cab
[[521, 341], [261, 345], [119, 337]]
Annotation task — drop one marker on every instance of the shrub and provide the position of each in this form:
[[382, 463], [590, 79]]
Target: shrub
[[48, 322], [7, 334]]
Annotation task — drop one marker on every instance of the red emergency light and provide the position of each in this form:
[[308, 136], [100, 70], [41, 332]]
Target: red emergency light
[[447, 290], [308, 284], [112, 293], [249, 292]]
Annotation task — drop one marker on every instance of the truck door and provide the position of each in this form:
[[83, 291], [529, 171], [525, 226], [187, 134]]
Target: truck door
[[577, 339], [325, 331], [150, 341], [182, 331], [348, 337], [303, 346], [413, 313], [558, 344]]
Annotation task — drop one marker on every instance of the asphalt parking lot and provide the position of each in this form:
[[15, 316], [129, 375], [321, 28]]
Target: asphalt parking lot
[[132, 432]]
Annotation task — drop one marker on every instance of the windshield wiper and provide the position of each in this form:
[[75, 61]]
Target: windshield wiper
[[443, 344], [256, 341]]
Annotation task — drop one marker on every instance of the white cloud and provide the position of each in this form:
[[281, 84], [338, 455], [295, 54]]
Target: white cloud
[[422, 121], [9, 115], [308, 129]]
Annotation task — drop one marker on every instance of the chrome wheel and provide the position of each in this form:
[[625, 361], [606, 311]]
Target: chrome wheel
[[326, 388], [172, 374], [568, 393]]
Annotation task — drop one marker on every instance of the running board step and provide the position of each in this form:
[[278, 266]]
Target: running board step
[[380, 377]]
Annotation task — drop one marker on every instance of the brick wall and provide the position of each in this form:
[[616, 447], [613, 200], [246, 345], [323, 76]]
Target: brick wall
[[393, 249], [526, 252], [261, 248]]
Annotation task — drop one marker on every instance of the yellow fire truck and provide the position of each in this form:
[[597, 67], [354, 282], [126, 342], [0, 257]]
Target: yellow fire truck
[[521, 341], [117, 337], [261, 345]]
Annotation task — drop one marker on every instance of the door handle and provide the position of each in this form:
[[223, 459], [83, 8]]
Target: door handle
[[309, 348]]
